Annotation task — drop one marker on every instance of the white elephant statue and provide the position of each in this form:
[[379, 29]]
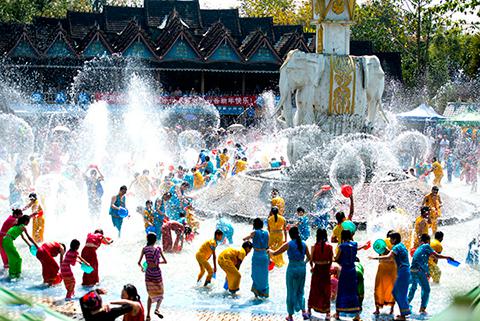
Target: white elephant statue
[[375, 85], [311, 78], [300, 75]]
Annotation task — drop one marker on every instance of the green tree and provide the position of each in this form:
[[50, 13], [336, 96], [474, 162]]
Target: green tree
[[23, 11], [305, 16], [16, 10], [282, 11], [432, 44]]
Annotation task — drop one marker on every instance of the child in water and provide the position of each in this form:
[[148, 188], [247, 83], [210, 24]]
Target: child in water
[[148, 216], [70, 259], [334, 272], [302, 224]]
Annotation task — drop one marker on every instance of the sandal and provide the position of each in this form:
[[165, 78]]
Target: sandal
[[306, 316], [158, 314]]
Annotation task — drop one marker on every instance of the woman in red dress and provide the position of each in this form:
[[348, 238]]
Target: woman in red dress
[[50, 267], [89, 253], [320, 290]]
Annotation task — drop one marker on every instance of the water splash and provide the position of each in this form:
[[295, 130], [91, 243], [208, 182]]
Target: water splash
[[347, 169], [411, 147], [17, 138], [93, 134]]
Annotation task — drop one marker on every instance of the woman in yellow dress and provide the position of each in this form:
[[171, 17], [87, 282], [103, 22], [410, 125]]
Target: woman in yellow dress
[[278, 201], [278, 234], [437, 170], [38, 226], [434, 202]]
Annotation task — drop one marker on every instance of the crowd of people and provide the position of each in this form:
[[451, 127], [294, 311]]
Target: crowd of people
[[337, 273], [454, 153]]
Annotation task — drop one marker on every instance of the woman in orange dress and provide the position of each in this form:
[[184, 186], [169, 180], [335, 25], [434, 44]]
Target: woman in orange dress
[[385, 280]]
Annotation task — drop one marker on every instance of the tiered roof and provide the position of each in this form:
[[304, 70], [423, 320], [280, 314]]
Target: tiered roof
[[169, 32], [161, 30]]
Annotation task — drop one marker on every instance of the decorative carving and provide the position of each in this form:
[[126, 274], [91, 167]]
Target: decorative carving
[[319, 39], [342, 85], [338, 6], [319, 9]]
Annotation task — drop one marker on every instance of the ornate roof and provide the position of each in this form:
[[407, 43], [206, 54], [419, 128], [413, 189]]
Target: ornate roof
[[252, 24], [81, 23], [94, 41], [176, 34], [133, 41], [216, 39], [23, 47], [173, 33], [61, 45], [228, 17], [117, 18], [290, 41], [257, 48]]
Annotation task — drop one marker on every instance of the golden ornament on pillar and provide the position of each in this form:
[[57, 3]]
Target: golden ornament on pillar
[[319, 8], [342, 85], [338, 6]]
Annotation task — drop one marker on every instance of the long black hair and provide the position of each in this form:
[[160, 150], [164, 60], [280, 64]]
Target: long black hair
[[295, 235], [274, 211], [25, 219], [132, 292], [257, 224], [322, 237], [17, 212], [151, 239]]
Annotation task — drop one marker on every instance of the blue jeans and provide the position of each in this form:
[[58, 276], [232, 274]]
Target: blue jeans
[[419, 277]]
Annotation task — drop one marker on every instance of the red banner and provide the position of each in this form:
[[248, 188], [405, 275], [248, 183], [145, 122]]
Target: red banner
[[229, 101]]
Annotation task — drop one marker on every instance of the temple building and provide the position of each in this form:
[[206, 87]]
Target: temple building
[[185, 48]]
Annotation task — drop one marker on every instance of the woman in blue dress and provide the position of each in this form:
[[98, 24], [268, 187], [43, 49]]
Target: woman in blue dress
[[400, 288], [118, 202], [347, 295], [160, 213], [296, 250], [260, 259], [178, 201]]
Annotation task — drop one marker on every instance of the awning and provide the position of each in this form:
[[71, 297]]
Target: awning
[[466, 119], [422, 113]]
